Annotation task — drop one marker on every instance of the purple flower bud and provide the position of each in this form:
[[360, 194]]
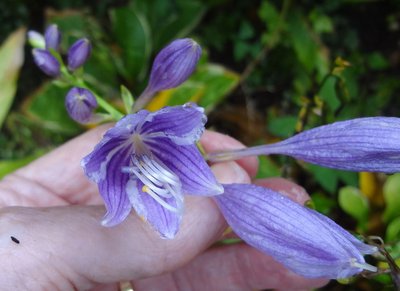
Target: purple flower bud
[[46, 62], [36, 39], [174, 64], [52, 37], [78, 53], [80, 104], [300, 238]]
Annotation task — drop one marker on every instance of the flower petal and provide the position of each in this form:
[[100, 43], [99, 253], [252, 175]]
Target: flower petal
[[113, 188], [182, 124], [370, 144], [290, 232], [187, 163], [164, 221]]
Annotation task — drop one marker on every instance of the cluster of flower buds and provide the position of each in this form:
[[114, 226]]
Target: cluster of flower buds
[[46, 49]]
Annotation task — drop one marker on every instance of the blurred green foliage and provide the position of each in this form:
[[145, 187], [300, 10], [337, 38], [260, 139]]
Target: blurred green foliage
[[269, 69]]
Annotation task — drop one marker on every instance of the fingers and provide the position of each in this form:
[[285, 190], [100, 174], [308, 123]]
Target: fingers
[[232, 267], [67, 245], [286, 188], [57, 178]]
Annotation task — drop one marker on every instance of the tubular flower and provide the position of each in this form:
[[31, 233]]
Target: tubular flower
[[80, 104], [147, 161], [300, 238], [369, 144]]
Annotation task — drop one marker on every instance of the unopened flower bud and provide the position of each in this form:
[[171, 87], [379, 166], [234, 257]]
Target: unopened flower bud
[[52, 37], [46, 62], [174, 64], [78, 53], [36, 39], [80, 104]]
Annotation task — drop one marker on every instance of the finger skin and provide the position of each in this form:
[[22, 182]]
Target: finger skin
[[232, 267], [83, 253]]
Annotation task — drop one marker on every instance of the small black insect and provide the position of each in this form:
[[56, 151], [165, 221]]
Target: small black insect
[[15, 240]]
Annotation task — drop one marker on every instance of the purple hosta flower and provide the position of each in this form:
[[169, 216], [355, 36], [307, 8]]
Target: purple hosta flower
[[78, 53], [147, 161], [36, 39], [46, 62], [361, 144], [172, 66], [303, 240], [52, 37], [80, 104]]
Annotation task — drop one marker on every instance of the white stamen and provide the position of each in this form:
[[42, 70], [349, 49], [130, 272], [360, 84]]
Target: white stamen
[[364, 266], [159, 182]]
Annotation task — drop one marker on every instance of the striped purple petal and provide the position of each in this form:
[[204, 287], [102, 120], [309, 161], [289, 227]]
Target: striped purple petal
[[163, 220], [182, 124], [294, 235], [188, 164]]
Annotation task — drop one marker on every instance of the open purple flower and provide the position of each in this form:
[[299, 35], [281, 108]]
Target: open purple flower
[[303, 240], [147, 162]]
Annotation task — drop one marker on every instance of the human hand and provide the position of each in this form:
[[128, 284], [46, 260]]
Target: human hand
[[51, 237]]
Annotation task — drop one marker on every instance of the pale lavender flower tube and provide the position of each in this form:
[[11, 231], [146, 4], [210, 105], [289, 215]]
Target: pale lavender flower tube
[[78, 53], [361, 144], [172, 66], [300, 238], [147, 162], [46, 62], [80, 104], [52, 37]]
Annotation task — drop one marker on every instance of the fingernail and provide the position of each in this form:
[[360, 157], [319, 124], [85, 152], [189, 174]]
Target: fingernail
[[230, 172]]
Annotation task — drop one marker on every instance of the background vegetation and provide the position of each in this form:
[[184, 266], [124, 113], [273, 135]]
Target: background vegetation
[[269, 69]]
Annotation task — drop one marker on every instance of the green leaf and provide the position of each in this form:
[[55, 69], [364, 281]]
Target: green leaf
[[354, 203], [391, 193], [131, 30], [127, 99], [302, 40], [217, 82], [47, 108], [283, 126], [11, 60], [267, 168], [328, 93], [393, 230], [322, 203], [377, 61], [327, 178]]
